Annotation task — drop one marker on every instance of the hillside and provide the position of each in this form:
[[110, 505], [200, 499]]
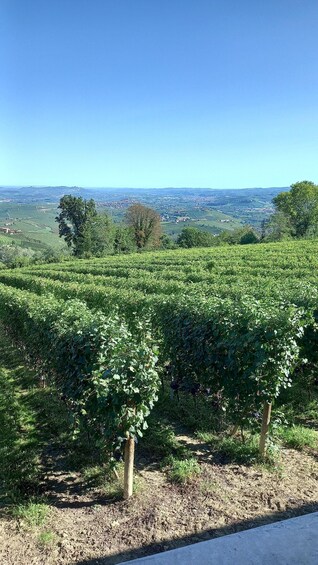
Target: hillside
[[259, 271], [32, 210], [233, 334]]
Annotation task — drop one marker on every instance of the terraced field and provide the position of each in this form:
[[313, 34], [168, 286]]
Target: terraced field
[[271, 271]]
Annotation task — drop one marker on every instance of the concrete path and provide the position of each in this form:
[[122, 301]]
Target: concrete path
[[290, 542]]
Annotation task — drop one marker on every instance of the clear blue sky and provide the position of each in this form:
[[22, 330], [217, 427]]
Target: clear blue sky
[[140, 93]]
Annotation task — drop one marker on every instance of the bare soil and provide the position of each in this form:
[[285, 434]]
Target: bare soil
[[88, 528]]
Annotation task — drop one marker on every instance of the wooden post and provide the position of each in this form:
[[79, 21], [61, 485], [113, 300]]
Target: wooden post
[[129, 467], [265, 425]]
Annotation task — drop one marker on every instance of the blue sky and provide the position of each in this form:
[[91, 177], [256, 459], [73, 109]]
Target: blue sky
[[151, 93]]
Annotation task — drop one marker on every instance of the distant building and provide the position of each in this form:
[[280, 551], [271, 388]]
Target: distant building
[[9, 231], [182, 219]]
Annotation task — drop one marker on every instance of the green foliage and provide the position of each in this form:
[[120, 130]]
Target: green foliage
[[32, 514], [125, 383], [240, 236], [193, 237], [182, 471], [298, 437], [238, 451], [300, 206], [15, 256], [233, 347], [234, 324], [98, 236], [160, 440], [277, 228], [166, 242], [124, 239], [107, 374], [145, 225], [249, 237], [75, 214]]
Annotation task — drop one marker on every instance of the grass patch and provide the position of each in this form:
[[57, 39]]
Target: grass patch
[[298, 437], [47, 539], [160, 441], [195, 414], [31, 419], [19, 456], [233, 449], [182, 471], [109, 482], [105, 479], [239, 452], [32, 514], [207, 437], [95, 475], [113, 487]]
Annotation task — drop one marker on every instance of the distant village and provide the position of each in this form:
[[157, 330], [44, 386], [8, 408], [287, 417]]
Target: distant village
[[9, 231]]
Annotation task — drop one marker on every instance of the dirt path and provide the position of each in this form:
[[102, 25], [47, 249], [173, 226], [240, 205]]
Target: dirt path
[[86, 527]]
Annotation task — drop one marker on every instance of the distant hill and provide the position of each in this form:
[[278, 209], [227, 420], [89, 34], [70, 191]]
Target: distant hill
[[32, 209], [53, 193]]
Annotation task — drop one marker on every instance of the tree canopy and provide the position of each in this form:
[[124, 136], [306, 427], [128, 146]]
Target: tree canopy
[[84, 230], [193, 237], [145, 224], [73, 219], [300, 208]]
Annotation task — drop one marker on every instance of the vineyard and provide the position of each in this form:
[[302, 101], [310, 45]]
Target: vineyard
[[221, 335], [233, 324]]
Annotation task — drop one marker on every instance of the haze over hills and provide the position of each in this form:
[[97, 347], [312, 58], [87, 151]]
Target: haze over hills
[[53, 193], [32, 209]]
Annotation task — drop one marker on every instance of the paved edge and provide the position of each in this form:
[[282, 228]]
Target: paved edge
[[288, 542]]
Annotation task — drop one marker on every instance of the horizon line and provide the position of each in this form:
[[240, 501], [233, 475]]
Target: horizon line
[[139, 187]]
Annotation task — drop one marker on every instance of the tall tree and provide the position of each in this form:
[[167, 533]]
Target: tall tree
[[145, 223], [74, 218], [300, 207], [98, 236]]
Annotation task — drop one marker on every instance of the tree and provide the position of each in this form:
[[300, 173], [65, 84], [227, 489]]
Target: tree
[[85, 231], [145, 223], [124, 241], [15, 256], [276, 228], [239, 236], [249, 237], [98, 236], [166, 242], [300, 207], [193, 237]]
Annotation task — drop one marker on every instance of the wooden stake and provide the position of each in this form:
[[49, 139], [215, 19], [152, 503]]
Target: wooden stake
[[265, 425], [129, 467], [116, 474]]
